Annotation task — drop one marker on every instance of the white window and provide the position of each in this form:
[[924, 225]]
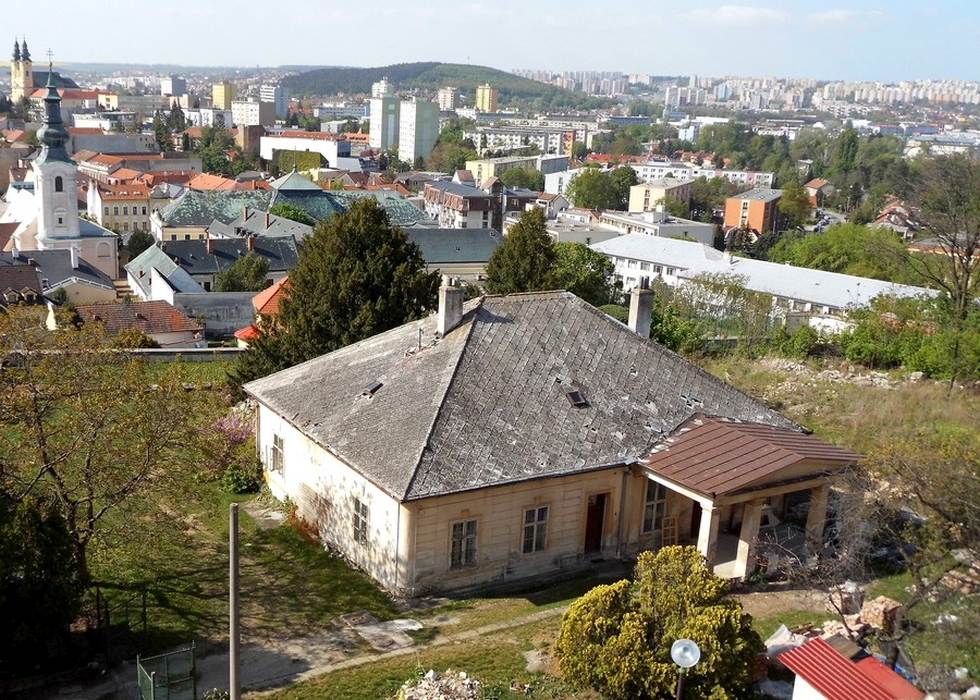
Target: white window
[[631, 264], [654, 506], [360, 521], [535, 529], [275, 455], [645, 266], [463, 549]]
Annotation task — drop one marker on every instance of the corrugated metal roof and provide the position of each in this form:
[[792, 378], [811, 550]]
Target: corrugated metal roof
[[716, 457], [835, 677]]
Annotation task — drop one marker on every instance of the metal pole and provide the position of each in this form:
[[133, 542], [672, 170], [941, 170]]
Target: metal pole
[[680, 684], [234, 686]]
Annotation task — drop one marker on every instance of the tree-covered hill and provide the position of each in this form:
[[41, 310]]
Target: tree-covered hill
[[431, 76]]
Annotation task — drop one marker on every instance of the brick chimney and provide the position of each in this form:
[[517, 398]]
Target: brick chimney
[[244, 214], [250, 243], [267, 221], [450, 306], [210, 245], [641, 308]]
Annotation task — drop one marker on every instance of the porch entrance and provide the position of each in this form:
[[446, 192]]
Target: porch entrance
[[594, 518]]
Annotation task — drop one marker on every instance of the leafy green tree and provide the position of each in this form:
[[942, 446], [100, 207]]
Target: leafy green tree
[[622, 179], [528, 178], [845, 152], [138, 242], [524, 261], [617, 638], [247, 274], [40, 583], [593, 189], [357, 276], [794, 205], [676, 207], [579, 150], [292, 212], [162, 132], [584, 272]]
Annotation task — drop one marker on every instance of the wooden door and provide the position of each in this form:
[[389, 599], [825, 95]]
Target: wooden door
[[594, 518]]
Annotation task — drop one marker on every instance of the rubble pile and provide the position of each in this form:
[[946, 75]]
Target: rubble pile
[[451, 685]]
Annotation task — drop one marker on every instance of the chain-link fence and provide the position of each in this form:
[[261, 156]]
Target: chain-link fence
[[169, 676]]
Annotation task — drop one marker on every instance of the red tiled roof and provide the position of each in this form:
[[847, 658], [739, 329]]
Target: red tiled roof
[[148, 316], [266, 302], [249, 332], [85, 130], [716, 457], [816, 183], [205, 182], [834, 676], [123, 174], [6, 231]]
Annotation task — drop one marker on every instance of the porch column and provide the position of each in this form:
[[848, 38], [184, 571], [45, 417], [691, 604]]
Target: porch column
[[816, 518], [751, 518], [708, 533]]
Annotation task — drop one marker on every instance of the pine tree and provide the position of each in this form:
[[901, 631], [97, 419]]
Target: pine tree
[[524, 262]]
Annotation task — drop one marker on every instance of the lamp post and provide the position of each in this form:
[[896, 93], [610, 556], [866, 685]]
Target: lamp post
[[685, 654]]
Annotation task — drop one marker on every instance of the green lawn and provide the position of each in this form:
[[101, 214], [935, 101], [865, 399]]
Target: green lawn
[[496, 660]]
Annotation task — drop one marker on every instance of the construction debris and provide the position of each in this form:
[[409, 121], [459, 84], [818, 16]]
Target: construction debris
[[882, 613], [451, 685]]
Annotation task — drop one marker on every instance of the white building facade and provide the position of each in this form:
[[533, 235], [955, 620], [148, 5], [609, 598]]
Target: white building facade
[[418, 129]]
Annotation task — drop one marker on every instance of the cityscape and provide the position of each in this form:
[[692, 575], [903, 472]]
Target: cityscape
[[382, 377]]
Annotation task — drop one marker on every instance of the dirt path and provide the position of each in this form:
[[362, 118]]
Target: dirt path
[[769, 603]]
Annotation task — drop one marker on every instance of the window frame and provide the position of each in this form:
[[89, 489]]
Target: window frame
[[361, 518], [650, 505], [537, 527], [276, 454], [467, 543]]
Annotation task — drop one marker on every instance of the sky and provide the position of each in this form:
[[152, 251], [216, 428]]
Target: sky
[[835, 39]]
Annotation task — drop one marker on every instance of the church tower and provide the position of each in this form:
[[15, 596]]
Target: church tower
[[21, 73], [55, 176]]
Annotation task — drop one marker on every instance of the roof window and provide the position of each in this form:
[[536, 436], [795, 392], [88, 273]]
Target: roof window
[[371, 389], [576, 398]]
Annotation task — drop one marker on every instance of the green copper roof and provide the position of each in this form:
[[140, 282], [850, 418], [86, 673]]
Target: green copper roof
[[201, 208], [294, 181], [53, 135]]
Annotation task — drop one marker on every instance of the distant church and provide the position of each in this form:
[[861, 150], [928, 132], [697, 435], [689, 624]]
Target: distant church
[[24, 79]]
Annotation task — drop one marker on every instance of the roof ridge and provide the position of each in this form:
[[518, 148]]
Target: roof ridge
[[442, 400]]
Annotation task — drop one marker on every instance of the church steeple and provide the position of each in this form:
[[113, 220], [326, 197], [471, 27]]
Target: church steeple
[[16, 56], [53, 135], [24, 53]]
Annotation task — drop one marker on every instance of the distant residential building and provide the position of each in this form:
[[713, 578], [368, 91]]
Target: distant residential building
[[418, 129], [486, 168], [651, 195], [487, 97], [173, 86], [512, 138], [658, 170], [332, 147], [455, 205], [658, 223], [252, 113], [819, 190], [382, 88], [557, 183], [448, 99], [384, 122], [277, 95], [755, 210], [122, 208], [169, 327], [342, 110], [569, 229], [112, 142], [222, 94], [209, 116], [142, 104]]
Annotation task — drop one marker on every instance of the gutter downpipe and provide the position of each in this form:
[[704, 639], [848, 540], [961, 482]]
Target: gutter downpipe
[[627, 472]]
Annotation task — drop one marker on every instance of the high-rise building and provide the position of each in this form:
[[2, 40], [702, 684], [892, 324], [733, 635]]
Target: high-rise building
[[173, 86], [486, 98], [382, 88], [418, 129], [222, 94], [251, 113], [277, 95], [384, 122], [448, 99]]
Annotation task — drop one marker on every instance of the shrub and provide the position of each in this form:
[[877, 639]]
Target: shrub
[[242, 478], [803, 342]]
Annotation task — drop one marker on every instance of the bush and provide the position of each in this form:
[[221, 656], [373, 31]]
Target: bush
[[239, 478], [616, 638], [802, 343]]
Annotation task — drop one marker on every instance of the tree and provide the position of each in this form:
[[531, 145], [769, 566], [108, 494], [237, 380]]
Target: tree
[[292, 212], [845, 152], [583, 272], [675, 207], [593, 189], [528, 178], [357, 276], [40, 584], [523, 262], [138, 242], [622, 179], [794, 205], [579, 150], [133, 338], [89, 463], [247, 274], [616, 638], [162, 132]]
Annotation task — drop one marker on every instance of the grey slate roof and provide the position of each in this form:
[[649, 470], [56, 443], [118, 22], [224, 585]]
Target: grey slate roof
[[255, 225], [195, 208], [487, 404], [139, 268], [193, 256], [55, 268], [440, 246]]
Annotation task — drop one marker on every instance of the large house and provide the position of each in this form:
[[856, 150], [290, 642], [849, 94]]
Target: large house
[[458, 205], [528, 435]]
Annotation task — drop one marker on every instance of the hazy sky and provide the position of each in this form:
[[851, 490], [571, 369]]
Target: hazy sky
[[843, 39]]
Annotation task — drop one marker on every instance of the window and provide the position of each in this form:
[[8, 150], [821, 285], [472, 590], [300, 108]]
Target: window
[[654, 506], [61, 220], [144, 211], [463, 550], [115, 211], [106, 211], [645, 266], [360, 521], [275, 455], [59, 184], [125, 211], [535, 529]]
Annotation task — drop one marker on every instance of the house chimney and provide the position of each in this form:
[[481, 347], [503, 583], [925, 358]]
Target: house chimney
[[450, 306], [267, 221], [210, 245], [641, 308], [250, 242], [73, 254], [244, 214]]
